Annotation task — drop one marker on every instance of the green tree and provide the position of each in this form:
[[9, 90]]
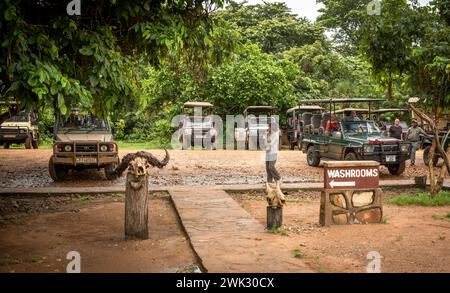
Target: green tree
[[50, 58], [272, 26]]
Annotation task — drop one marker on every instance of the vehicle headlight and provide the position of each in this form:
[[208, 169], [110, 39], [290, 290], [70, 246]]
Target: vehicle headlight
[[404, 148], [369, 148], [103, 148], [67, 148]]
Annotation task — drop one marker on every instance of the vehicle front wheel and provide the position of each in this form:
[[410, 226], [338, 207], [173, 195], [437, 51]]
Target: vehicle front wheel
[[350, 157], [35, 144], [109, 171], [312, 157], [6, 145], [28, 142], [57, 172], [397, 169], [426, 156]]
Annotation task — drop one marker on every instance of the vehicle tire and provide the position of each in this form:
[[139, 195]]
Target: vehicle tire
[[6, 145], [426, 155], [351, 156], [35, 143], [397, 169], [57, 172], [28, 142], [109, 171], [312, 157]]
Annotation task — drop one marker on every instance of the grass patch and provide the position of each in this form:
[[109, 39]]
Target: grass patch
[[422, 199], [81, 199], [9, 260], [281, 231], [297, 253], [442, 217]]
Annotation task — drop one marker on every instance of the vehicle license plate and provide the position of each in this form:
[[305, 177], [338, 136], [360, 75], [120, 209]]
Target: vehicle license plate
[[86, 160], [390, 158]]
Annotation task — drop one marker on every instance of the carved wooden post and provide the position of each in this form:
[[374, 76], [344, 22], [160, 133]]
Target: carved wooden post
[[136, 191], [136, 209], [274, 217], [275, 199]]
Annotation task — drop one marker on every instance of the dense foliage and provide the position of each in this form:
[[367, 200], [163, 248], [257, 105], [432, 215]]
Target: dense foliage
[[139, 61]]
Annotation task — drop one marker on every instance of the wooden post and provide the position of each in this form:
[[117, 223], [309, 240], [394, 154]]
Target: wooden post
[[274, 217], [136, 209]]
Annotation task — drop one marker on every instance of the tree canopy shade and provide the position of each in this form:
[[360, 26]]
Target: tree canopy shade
[[50, 58], [272, 26]]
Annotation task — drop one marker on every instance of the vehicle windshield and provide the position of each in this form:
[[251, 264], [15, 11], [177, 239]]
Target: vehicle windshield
[[83, 122], [18, 118], [198, 121], [360, 128], [261, 121]]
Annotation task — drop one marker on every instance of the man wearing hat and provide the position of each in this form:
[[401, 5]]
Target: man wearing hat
[[413, 137]]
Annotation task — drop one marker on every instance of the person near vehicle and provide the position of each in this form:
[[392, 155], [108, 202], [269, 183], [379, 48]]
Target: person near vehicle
[[353, 117], [413, 136], [271, 142], [396, 130], [332, 125]]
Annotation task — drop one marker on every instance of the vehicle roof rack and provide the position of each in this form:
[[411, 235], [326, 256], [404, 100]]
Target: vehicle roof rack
[[337, 101], [197, 104]]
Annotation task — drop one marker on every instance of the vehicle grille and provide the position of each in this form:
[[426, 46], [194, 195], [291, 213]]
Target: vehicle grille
[[86, 148], [391, 148]]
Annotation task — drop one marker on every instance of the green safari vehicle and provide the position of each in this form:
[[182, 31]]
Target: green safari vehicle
[[352, 139]]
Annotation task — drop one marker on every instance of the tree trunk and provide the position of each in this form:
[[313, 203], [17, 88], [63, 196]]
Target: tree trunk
[[442, 173], [389, 86], [136, 207], [431, 169], [274, 217]]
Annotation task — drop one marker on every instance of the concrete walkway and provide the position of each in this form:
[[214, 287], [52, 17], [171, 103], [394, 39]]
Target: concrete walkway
[[238, 187], [228, 239]]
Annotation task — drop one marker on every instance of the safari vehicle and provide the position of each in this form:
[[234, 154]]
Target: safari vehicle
[[384, 124], [21, 128], [345, 113], [295, 118], [256, 123], [353, 140], [82, 141], [197, 126]]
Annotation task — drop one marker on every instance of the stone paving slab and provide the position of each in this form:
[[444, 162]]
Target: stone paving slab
[[228, 239], [236, 187]]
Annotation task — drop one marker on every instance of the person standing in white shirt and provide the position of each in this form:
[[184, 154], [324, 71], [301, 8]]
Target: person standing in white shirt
[[272, 141]]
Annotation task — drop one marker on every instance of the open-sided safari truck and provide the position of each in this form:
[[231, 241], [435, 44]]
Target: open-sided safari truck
[[197, 126], [351, 139], [295, 119], [82, 141], [256, 123]]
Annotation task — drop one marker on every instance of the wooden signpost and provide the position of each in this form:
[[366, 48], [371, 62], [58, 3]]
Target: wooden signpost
[[351, 193]]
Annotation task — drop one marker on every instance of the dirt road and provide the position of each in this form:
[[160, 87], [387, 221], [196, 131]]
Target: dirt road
[[37, 233], [29, 168], [410, 239]]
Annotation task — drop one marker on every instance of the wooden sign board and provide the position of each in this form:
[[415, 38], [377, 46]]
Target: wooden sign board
[[349, 175]]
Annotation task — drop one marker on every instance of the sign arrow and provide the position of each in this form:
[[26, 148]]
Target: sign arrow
[[342, 184]]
